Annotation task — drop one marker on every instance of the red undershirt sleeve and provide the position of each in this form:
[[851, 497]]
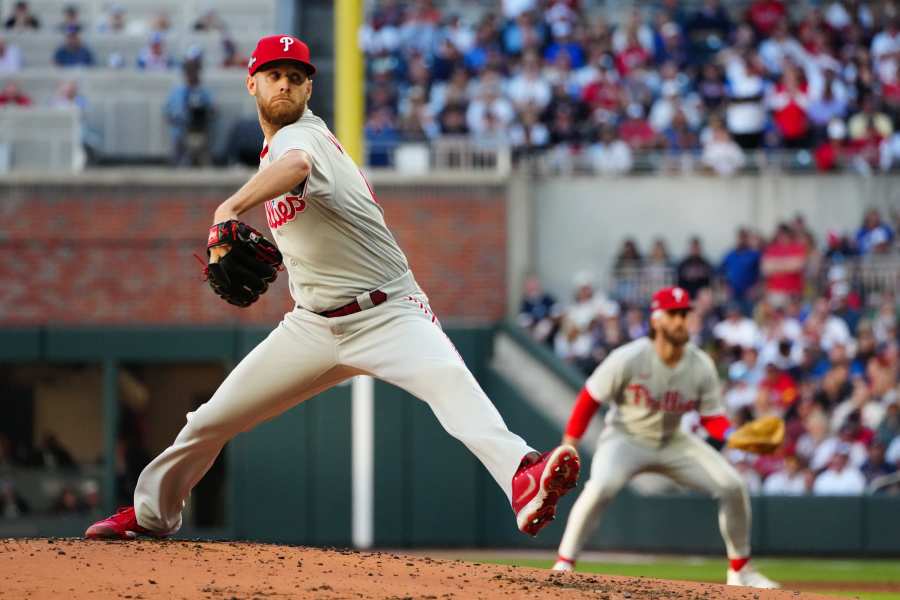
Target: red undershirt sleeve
[[582, 413], [717, 426]]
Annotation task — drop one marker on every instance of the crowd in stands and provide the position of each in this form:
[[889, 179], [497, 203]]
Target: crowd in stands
[[714, 88], [792, 331], [190, 108]]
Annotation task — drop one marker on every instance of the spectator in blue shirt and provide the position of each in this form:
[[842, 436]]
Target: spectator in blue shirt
[[190, 111], [73, 53], [740, 268], [539, 312], [874, 236]]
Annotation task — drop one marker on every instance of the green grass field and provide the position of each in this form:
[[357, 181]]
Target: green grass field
[[814, 573]]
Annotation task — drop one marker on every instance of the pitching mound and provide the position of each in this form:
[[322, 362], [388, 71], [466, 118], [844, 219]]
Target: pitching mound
[[71, 568]]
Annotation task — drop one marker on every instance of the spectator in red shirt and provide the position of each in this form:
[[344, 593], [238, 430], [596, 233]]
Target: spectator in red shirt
[[777, 391], [831, 153], [783, 266], [764, 15], [635, 130], [788, 101], [633, 57], [11, 95]]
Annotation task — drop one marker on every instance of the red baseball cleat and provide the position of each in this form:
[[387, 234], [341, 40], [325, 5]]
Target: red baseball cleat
[[538, 487], [121, 526]]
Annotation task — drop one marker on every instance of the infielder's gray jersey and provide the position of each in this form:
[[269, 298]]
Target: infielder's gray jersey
[[647, 398], [331, 230]]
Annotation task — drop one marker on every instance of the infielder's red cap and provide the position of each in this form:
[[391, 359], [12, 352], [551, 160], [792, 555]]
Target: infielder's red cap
[[671, 298], [280, 47]]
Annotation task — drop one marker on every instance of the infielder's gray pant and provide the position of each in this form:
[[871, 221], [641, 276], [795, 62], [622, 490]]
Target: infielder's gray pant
[[685, 458], [399, 341]]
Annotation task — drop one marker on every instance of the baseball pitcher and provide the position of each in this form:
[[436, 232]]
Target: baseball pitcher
[[358, 310], [649, 384]]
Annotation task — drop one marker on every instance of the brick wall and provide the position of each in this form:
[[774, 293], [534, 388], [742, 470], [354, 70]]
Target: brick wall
[[92, 254]]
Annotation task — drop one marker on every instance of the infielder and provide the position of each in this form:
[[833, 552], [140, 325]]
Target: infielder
[[358, 311], [649, 384]]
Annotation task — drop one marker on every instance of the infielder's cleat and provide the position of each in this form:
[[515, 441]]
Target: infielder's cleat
[[750, 577], [564, 564], [538, 487], [121, 526]]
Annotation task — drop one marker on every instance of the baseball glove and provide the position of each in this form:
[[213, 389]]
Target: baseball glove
[[251, 264], [762, 436]]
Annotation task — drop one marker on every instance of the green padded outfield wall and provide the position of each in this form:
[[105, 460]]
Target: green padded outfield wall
[[289, 479]]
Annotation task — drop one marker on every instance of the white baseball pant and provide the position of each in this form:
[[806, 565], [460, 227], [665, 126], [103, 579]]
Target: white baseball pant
[[686, 459], [399, 341]]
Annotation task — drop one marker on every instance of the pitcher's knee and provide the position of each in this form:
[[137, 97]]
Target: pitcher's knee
[[731, 490], [201, 425]]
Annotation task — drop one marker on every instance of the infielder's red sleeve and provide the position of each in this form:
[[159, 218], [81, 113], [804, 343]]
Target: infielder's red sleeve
[[582, 413], [717, 426]]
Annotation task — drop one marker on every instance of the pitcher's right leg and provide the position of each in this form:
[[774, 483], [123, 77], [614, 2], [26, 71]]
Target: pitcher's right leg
[[297, 360]]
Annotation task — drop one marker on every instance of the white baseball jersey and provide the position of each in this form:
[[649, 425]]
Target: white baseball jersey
[[647, 398], [330, 230]]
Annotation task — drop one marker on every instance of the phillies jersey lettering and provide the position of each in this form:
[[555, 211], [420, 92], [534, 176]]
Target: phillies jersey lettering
[[331, 232], [647, 398]]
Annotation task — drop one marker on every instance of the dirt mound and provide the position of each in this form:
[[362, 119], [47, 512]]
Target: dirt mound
[[71, 568]]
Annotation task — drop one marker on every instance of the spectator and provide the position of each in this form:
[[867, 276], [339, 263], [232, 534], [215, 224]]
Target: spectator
[[190, 110], [117, 22], [783, 265], [789, 481], [707, 31], [382, 137], [53, 455], [67, 502], [844, 441], [777, 391], [840, 479], [740, 268], [720, 152], [71, 20], [231, 56], [609, 155], [778, 48], [869, 118], [21, 18], [153, 56], [789, 100], [10, 58], [874, 236], [765, 16], [461, 36], [876, 466], [745, 114], [244, 141], [539, 312], [73, 53], [832, 153], [826, 106], [528, 87], [736, 330], [564, 43], [712, 87], [635, 130], [694, 272], [489, 101], [210, 21], [529, 136], [12, 95]]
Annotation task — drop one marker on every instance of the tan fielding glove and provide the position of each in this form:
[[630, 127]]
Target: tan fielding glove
[[762, 436]]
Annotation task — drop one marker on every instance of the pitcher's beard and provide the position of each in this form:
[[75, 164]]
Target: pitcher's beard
[[282, 113]]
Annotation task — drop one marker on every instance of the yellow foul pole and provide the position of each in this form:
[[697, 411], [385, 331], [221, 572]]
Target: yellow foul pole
[[349, 87]]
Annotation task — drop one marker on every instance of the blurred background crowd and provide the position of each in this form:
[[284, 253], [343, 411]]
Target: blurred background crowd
[[666, 85], [796, 329]]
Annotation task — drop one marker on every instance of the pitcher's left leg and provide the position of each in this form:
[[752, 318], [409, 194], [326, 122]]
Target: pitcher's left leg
[[404, 344]]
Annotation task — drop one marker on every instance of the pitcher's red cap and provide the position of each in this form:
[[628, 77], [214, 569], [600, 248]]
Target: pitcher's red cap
[[671, 298], [280, 47]]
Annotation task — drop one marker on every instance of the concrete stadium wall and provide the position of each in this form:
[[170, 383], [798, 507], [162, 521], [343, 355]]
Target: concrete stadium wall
[[580, 222], [117, 247]]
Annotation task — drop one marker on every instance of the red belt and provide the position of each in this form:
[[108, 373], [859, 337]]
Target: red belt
[[378, 297]]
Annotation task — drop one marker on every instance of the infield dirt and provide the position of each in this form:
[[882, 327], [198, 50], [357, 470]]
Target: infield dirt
[[72, 568]]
